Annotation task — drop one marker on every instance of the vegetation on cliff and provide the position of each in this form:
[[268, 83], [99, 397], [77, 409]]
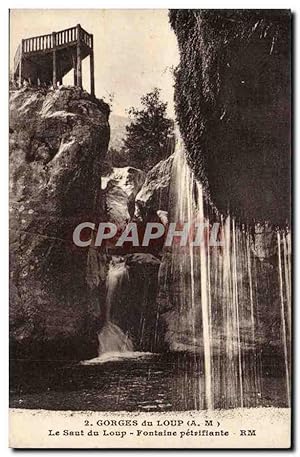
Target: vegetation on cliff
[[232, 96], [149, 135]]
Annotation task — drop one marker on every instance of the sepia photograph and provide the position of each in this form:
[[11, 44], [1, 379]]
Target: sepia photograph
[[150, 234]]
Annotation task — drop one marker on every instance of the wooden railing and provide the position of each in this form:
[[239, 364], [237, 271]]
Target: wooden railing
[[66, 36], [86, 37], [52, 40]]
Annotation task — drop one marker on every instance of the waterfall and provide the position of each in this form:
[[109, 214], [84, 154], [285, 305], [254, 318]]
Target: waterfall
[[111, 338], [114, 344], [217, 295], [283, 306]]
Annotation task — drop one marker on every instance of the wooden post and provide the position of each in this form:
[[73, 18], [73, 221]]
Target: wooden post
[[79, 67], [54, 75], [92, 67], [74, 60], [20, 64]]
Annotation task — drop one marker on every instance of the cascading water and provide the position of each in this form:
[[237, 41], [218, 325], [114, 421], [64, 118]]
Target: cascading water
[[113, 342], [111, 338], [217, 292]]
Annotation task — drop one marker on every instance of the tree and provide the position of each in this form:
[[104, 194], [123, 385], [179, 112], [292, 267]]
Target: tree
[[149, 136]]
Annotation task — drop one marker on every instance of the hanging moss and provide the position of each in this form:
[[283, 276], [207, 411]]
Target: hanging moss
[[232, 96]]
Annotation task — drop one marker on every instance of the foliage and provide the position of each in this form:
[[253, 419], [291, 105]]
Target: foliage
[[117, 157], [149, 135]]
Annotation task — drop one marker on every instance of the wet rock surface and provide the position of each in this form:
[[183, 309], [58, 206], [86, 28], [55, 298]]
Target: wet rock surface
[[135, 310]]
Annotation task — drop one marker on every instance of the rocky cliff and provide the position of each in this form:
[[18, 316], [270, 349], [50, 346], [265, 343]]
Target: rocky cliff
[[154, 194], [232, 97], [120, 188], [58, 140], [135, 310]]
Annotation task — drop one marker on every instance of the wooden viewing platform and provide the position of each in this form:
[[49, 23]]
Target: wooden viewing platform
[[46, 59]]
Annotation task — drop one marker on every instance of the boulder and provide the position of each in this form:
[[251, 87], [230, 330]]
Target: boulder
[[120, 188], [58, 139], [154, 194]]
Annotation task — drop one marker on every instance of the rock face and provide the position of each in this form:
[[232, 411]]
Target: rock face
[[57, 142], [232, 97], [264, 242], [120, 188], [154, 195], [174, 300], [136, 310]]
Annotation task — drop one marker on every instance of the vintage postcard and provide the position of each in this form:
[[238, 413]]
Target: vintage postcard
[[150, 228]]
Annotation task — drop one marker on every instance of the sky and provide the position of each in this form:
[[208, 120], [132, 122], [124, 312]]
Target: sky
[[134, 50]]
